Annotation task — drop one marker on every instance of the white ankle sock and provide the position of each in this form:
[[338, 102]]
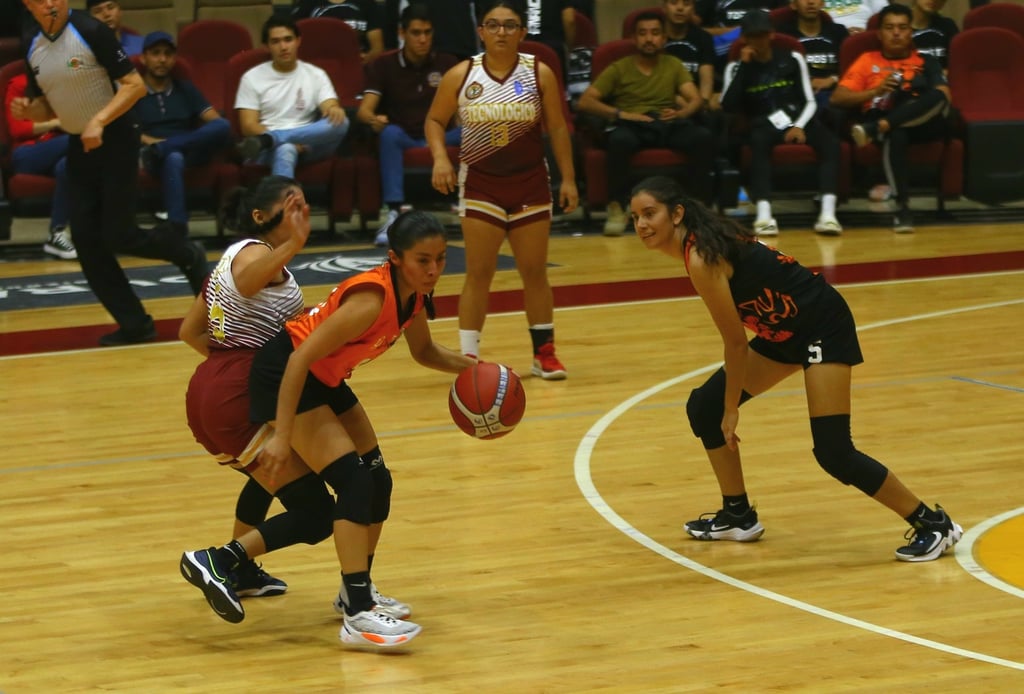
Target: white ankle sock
[[764, 210], [828, 205], [469, 342]]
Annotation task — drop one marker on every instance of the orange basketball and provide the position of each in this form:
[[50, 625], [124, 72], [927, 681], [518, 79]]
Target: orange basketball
[[487, 400]]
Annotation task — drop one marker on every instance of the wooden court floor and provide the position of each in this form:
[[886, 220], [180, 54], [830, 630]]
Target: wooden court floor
[[553, 560]]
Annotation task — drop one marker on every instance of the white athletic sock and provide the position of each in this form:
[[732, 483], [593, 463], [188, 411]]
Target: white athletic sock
[[764, 210], [469, 342], [828, 205]]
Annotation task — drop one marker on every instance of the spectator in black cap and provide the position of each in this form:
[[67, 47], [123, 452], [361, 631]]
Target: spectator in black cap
[[771, 87], [179, 127], [109, 12]]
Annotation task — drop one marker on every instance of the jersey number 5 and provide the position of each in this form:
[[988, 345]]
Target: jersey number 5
[[815, 353]]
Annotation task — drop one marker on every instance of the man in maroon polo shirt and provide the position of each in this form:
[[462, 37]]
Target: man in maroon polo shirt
[[400, 87]]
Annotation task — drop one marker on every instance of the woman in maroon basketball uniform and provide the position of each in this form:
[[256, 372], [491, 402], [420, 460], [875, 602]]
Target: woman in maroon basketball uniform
[[504, 100], [800, 322], [244, 302]]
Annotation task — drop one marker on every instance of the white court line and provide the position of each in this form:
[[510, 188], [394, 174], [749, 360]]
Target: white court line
[[586, 485], [965, 552]]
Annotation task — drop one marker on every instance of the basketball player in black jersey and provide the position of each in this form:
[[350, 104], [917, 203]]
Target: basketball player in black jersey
[[800, 322]]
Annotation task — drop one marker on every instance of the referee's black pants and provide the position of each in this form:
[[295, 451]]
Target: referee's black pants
[[103, 185]]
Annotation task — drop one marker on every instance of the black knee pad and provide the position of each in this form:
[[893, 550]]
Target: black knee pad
[[311, 506], [836, 454], [382, 485], [253, 503], [352, 482], [705, 408]]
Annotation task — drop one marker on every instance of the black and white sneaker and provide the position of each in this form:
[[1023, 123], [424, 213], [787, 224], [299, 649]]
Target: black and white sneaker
[[59, 244], [200, 568], [930, 540], [723, 525]]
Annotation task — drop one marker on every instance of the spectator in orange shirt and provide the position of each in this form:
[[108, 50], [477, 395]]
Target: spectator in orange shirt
[[903, 97]]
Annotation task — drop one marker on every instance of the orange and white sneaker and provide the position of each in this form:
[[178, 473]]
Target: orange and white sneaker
[[546, 364], [374, 628]]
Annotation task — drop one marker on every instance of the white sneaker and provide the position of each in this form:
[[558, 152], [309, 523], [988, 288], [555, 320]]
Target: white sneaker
[[615, 224], [828, 226], [766, 227], [388, 605], [382, 233], [59, 244], [374, 628]]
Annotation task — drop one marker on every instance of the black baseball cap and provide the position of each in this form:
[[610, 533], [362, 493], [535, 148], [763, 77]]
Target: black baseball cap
[[756, 22]]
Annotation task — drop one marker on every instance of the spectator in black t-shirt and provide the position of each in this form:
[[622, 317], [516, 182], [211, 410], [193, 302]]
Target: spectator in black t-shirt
[[361, 15], [932, 31], [771, 87], [821, 39], [692, 45]]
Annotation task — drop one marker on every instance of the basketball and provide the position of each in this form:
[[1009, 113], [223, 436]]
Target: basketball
[[487, 400]]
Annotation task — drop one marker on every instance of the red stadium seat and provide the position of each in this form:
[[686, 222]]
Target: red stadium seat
[[997, 14], [986, 69], [208, 45], [586, 34], [629, 21]]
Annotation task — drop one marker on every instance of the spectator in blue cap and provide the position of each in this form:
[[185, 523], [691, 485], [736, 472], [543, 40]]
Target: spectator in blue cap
[[179, 127]]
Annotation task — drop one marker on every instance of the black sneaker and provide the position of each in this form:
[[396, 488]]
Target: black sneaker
[[250, 147], [146, 333], [197, 269], [928, 540], [149, 157], [723, 525], [200, 568], [903, 221], [249, 580]]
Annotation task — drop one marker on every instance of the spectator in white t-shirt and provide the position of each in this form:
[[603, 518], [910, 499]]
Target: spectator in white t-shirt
[[288, 110], [853, 14]]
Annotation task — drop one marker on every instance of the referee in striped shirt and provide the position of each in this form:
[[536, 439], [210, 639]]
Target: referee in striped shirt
[[79, 73]]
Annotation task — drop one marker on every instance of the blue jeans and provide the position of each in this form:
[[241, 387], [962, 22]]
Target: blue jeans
[[393, 143], [193, 148], [320, 139], [48, 158]]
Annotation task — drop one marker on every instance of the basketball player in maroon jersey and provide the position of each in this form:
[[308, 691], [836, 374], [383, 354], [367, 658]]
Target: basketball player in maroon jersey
[[504, 99]]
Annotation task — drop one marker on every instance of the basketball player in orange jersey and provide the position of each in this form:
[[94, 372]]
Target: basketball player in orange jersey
[[504, 99], [298, 385], [800, 322]]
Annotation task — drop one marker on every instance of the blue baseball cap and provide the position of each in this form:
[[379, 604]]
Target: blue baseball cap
[[155, 37]]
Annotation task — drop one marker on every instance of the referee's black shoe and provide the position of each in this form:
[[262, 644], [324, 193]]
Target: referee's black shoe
[[196, 269], [145, 333]]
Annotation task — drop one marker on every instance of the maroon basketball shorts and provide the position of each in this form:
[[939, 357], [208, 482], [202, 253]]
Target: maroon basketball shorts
[[217, 407], [509, 201]]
